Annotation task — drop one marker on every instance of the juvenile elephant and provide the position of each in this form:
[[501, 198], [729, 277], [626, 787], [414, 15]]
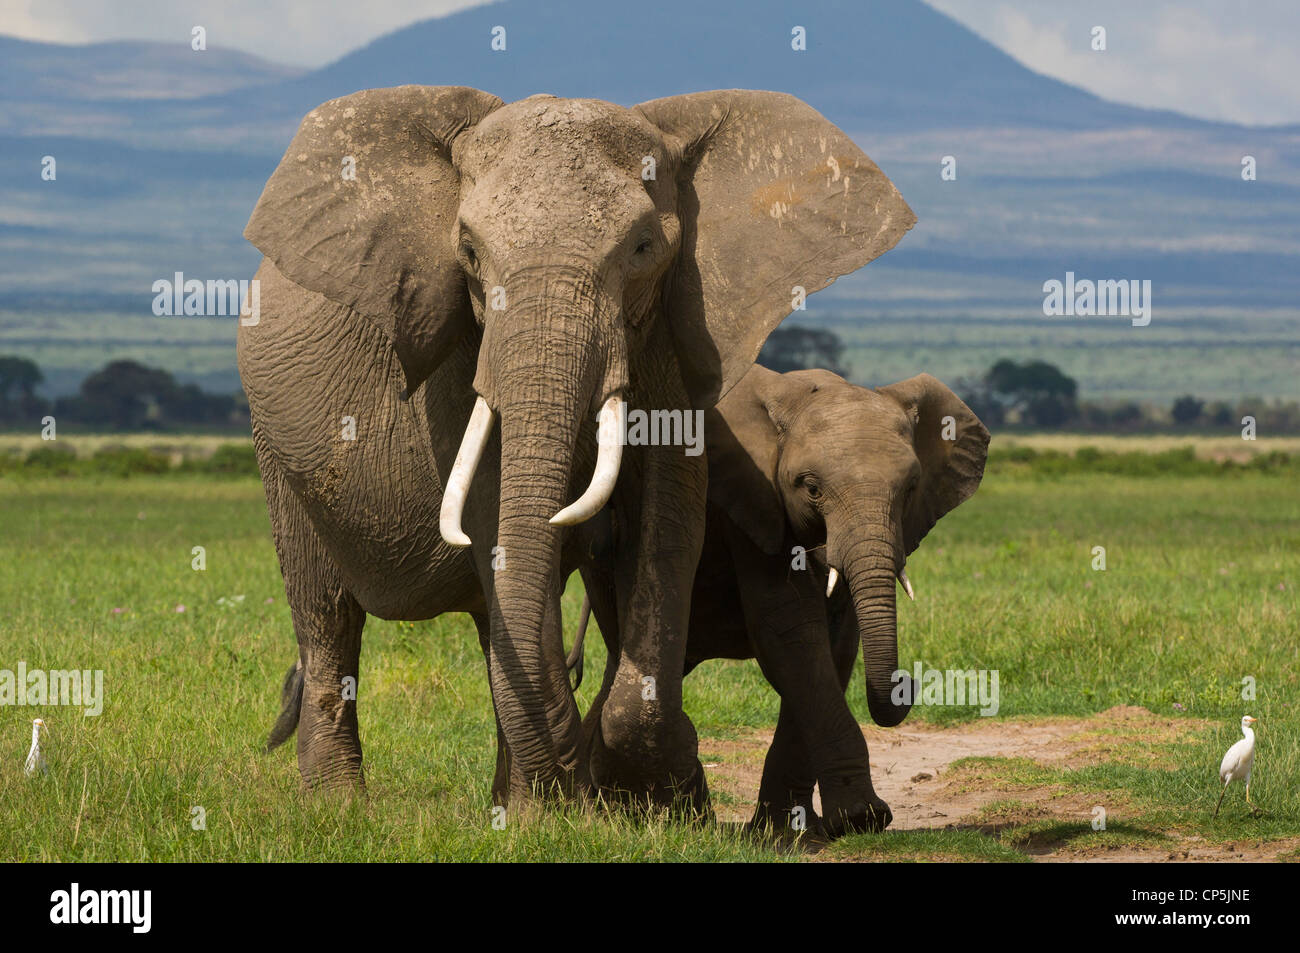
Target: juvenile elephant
[[453, 290], [806, 462]]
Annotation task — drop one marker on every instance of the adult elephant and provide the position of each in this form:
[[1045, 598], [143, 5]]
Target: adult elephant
[[811, 479], [448, 271]]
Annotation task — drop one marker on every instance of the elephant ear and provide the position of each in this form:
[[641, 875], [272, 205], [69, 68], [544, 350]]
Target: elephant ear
[[742, 441], [952, 445], [771, 196], [361, 210]]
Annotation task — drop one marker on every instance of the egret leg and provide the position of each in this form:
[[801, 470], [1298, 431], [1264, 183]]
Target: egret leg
[[1221, 794], [1247, 792]]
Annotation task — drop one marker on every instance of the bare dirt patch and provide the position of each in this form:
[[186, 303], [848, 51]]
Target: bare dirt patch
[[913, 769]]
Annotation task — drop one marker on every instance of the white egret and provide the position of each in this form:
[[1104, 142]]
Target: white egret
[[36, 757], [1238, 761]]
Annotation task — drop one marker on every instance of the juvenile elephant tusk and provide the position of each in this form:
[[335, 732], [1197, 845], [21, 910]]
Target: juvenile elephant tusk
[[831, 580], [609, 439], [477, 432], [907, 584]]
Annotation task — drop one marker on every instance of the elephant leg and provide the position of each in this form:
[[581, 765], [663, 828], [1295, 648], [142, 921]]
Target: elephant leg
[[785, 613], [602, 592], [646, 750], [827, 742], [843, 625], [327, 621], [329, 746], [501, 778], [785, 795]]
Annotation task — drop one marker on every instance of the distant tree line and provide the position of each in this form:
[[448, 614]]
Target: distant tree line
[[1033, 395], [1036, 395], [122, 396]]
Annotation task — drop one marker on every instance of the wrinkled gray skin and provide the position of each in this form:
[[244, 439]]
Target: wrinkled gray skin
[[856, 477], [522, 254]]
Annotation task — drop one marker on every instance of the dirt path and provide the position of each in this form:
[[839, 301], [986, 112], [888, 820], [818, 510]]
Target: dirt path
[[908, 765], [911, 770]]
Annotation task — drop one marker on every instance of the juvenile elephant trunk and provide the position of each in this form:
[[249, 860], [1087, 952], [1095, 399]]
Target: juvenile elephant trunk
[[870, 568], [541, 368]]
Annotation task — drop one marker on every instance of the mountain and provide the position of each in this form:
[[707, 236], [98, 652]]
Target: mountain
[[898, 63], [885, 64], [162, 151], [104, 90], [127, 70]]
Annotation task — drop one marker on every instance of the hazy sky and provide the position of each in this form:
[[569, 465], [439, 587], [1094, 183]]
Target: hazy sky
[[1218, 59]]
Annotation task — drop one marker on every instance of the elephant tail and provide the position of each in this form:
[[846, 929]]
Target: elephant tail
[[574, 660], [290, 707]]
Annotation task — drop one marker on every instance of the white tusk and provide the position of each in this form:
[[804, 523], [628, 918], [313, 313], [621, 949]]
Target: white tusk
[[477, 432], [831, 580], [609, 438], [907, 584]]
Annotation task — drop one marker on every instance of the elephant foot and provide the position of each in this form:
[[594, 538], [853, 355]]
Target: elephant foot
[[798, 819], [329, 746], [627, 765], [635, 782], [332, 776], [326, 764], [686, 799], [868, 815]]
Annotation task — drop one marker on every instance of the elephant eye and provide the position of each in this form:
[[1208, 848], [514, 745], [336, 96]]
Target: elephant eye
[[470, 257], [811, 486], [910, 493], [644, 246]]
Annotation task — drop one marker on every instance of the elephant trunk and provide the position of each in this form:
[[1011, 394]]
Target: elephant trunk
[[543, 367], [871, 565]]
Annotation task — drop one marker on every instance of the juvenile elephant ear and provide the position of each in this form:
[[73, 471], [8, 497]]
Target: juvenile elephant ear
[[772, 196], [952, 446], [742, 442], [361, 208]]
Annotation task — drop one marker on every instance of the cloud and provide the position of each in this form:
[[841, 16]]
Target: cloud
[[300, 32], [1201, 57]]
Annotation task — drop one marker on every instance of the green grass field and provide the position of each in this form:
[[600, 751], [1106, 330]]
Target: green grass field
[[1199, 592]]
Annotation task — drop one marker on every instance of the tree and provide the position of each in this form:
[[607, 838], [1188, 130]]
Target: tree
[[976, 395], [1187, 410], [19, 378], [189, 404], [1221, 414], [1037, 391], [1030, 378], [126, 395], [797, 348], [1127, 414]]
